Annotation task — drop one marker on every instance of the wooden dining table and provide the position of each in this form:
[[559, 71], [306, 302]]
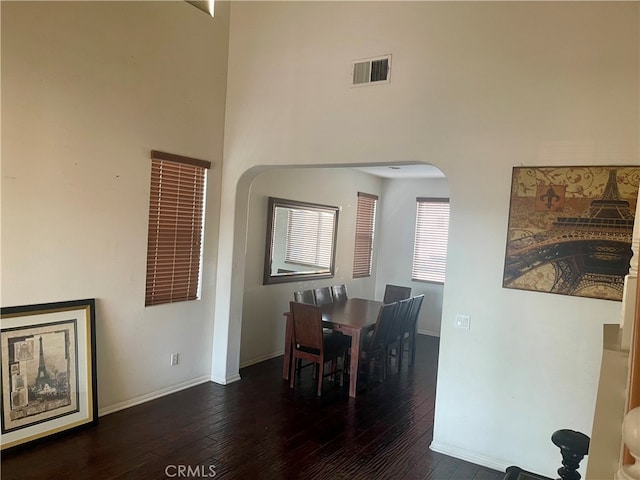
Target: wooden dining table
[[354, 317]]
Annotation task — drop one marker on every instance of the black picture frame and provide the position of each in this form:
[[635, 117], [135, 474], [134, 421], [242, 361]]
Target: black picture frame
[[47, 370]]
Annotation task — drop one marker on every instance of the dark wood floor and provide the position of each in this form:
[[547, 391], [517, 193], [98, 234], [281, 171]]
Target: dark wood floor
[[258, 428]]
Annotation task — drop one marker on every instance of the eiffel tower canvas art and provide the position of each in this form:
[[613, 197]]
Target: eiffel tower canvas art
[[47, 370], [570, 230]]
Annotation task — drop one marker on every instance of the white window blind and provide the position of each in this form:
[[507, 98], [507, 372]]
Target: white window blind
[[310, 238], [365, 224], [430, 246], [176, 220]]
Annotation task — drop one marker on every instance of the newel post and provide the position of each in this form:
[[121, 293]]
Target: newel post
[[573, 447], [631, 439]]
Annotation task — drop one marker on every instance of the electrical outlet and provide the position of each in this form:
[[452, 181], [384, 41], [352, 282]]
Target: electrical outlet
[[463, 322], [174, 359]]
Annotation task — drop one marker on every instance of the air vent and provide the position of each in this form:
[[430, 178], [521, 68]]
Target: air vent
[[372, 71]]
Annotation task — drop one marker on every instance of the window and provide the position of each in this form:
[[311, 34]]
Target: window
[[176, 220], [430, 246], [365, 222], [310, 236]]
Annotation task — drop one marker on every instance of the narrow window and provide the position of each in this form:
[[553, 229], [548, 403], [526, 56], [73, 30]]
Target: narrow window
[[430, 246], [176, 221], [365, 224]]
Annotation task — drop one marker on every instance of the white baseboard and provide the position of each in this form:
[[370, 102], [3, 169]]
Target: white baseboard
[[261, 358], [469, 456], [225, 380], [428, 332], [152, 396]]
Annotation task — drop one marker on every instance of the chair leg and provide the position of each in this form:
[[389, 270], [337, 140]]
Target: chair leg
[[385, 363], [292, 372], [413, 348], [320, 373]]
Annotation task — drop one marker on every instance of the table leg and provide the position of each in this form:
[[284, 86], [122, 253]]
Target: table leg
[[353, 366], [286, 367]]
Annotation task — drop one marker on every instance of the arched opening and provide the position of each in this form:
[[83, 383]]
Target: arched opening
[[260, 322]]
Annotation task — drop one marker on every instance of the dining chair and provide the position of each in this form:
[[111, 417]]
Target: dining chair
[[396, 332], [394, 293], [323, 295], [339, 293], [409, 334], [374, 348], [309, 342], [305, 296]]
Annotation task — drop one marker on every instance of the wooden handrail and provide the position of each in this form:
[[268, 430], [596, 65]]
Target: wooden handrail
[[634, 370]]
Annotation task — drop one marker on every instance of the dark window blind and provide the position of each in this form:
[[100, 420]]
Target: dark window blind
[[365, 224], [430, 246], [176, 220]]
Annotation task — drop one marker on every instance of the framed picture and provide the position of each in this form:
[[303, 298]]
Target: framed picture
[[48, 370], [570, 229]]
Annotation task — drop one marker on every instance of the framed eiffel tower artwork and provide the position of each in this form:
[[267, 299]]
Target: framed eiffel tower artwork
[[47, 370], [570, 229]]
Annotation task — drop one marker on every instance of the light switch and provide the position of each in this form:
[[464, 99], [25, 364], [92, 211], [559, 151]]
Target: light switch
[[463, 322]]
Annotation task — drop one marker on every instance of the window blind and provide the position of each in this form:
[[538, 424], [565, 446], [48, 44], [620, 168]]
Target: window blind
[[176, 220], [365, 224], [430, 245], [310, 238]]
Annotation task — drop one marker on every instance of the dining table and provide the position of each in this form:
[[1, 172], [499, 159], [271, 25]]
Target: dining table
[[354, 317]]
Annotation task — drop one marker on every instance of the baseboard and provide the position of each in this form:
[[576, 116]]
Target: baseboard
[[153, 395], [428, 332], [225, 380], [261, 358], [469, 456]]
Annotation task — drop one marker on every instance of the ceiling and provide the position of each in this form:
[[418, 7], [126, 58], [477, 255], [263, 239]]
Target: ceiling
[[403, 171]]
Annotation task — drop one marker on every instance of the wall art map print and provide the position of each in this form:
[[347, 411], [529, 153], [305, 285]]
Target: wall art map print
[[570, 229]]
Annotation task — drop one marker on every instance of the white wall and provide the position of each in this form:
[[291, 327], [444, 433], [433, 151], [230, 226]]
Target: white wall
[[397, 220], [263, 305], [476, 88], [88, 89]]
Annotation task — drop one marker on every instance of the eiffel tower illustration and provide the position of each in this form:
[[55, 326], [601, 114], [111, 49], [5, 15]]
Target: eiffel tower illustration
[[42, 378], [593, 249]]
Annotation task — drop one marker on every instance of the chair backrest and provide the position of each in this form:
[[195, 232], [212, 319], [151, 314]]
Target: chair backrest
[[339, 293], [305, 296], [307, 326], [323, 295], [383, 326], [414, 311], [400, 319], [394, 293]]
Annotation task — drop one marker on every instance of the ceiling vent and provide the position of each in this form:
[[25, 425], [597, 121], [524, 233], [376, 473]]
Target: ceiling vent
[[372, 71]]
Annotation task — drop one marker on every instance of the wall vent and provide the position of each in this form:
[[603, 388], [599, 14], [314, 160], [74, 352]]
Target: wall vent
[[372, 71]]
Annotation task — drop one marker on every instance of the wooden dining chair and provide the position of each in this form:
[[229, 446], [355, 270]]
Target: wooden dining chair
[[305, 296], [394, 293], [409, 335], [396, 332], [339, 293], [374, 348], [323, 295], [309, 343]]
